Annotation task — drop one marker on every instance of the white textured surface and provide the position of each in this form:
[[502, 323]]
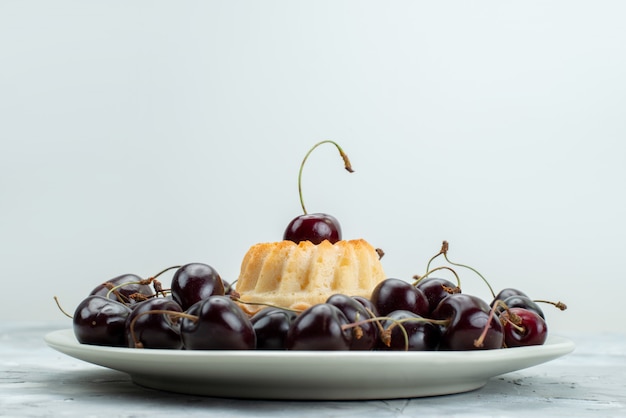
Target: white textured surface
[[36, 381]]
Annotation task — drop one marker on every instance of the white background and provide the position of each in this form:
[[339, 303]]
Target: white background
[[140, 135]]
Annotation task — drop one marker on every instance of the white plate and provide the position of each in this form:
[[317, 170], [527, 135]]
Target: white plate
[[321, 375]]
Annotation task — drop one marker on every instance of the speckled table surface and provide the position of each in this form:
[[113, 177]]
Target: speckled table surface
[[37, 381]]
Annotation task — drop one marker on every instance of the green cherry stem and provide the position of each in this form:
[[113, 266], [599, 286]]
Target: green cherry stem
[[445, 254], [56, 299], [443, 250], [429, 272], [344, 156]]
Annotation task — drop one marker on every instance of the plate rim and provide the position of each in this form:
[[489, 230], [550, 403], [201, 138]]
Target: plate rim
[[335, 375], [553, 342]]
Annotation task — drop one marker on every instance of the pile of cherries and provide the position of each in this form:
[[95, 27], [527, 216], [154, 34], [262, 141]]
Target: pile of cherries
[[200, 311]]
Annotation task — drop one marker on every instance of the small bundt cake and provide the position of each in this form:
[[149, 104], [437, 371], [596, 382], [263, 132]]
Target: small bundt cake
[[297, 276]]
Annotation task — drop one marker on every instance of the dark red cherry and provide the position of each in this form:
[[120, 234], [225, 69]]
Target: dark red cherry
[[468, 317], [319, 327], [421, 335], [529, 329], [129, 285], [194, 282], [507, 293], [396, 295], [365, 335], [271, 326], [148, 328], [219, 325], [436, 289], [367, 303], [519, 301], [314, 227], [100, 321]]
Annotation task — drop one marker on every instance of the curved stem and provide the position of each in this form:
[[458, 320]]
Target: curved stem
[[164, 271], [481, 339], [445, 254], [385, 333], [420, 278], [343, 155], [61, 308], [559, 305], [141, 282], [443, 250], [235, 298]]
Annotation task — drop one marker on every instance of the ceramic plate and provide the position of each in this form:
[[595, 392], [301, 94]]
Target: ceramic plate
[[321, 375]]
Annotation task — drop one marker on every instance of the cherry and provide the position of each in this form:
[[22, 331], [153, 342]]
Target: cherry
[[436, 289], [150, 326], [271, 326], [194, 282], [320, 327], [367, 303], [98, 320], [471, 324], [217, 324], [507, 293], [315, 227], [523, 327], [421, 334], [519, 301], [126, 286], [365, 334], [395, 294]]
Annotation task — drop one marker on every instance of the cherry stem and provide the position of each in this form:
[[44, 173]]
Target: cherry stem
[[444, 248], [497, 304], [61, 309], [147, 281], [344, 156], [113, 289], [165, 271], [560, 305], [235, 298], [444, 251], [385, 334], [420, 278], [138, 343]]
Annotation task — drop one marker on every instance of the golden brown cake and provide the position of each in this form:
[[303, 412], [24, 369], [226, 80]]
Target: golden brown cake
[[298, 276]]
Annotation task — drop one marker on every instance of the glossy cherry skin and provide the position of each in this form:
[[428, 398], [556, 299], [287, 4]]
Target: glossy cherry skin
[[194, 282], [422, 335], [436, 289], [101, 321], [395, 295], [154, 330], [124, 292], [534, 330], [271, 326], [365, 336], [507, 293], [314, 227], [220, 325], [519, 301], [468, 316], [367, 303], [319, 328]]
